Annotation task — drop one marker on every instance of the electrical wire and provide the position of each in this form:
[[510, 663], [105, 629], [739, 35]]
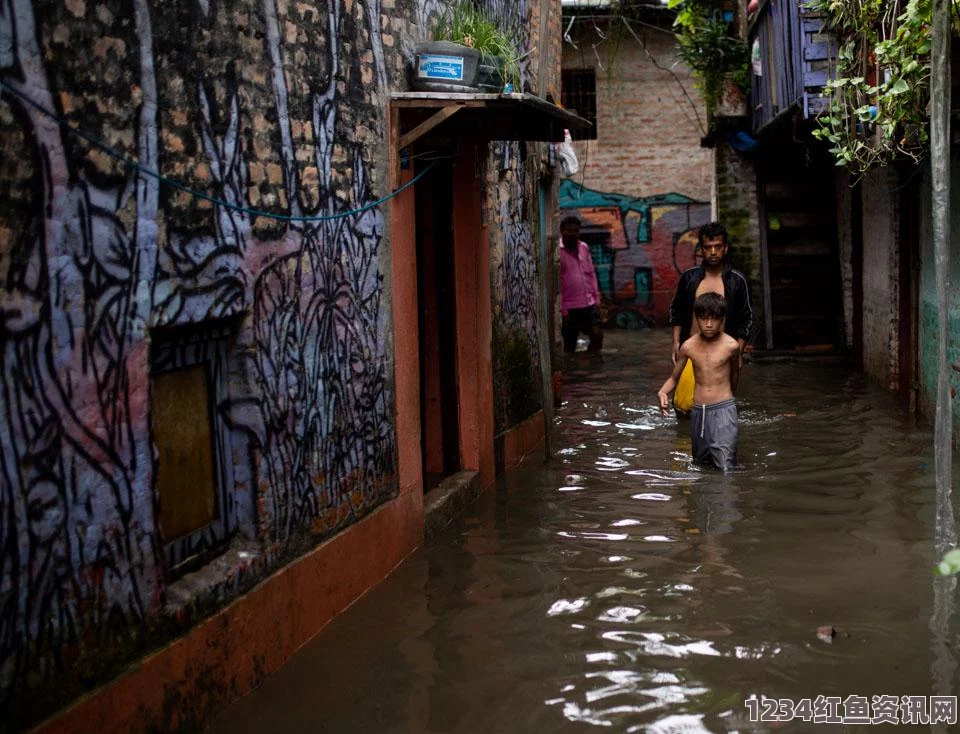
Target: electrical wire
[[671, 72]]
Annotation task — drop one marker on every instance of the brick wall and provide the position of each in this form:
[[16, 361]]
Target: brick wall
[[841, 185], [648, 130]]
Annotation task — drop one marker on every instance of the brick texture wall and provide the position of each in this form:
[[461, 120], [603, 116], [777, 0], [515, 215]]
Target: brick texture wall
[[648, 130]]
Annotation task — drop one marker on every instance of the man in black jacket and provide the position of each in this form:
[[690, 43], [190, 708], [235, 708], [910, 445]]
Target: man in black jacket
[[713, 274]]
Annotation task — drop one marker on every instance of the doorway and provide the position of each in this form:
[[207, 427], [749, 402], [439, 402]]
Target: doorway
[[437, 319], [802, 253]]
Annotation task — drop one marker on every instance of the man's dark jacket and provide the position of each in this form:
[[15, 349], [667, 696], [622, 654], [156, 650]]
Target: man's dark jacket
[[736, 292]]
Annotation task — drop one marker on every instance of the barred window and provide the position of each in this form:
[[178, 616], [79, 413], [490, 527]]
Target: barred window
[[580, 96]]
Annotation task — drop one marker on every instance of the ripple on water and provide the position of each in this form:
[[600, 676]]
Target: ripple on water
[[652, 496], [610, 463], [645, 691], [663, 475], [622, 615], [655, 644], [567, 606], [675, 724]]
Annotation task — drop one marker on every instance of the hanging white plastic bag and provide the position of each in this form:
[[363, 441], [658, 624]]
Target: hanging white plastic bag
[[567, 155]]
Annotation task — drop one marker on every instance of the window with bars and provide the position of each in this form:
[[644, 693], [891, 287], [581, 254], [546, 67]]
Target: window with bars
[[580, 96]]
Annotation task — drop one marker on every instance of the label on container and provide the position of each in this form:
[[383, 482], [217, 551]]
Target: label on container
[[440, 67]]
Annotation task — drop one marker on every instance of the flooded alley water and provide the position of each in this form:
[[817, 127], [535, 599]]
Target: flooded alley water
[[617, 587]]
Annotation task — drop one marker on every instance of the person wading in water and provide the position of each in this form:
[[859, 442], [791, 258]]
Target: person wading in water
[[713, 275]]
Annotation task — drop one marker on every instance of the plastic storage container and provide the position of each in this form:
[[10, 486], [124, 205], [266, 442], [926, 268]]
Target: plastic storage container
[[443, 66]]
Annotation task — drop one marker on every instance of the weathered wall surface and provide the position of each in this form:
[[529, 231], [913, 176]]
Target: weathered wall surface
[[881, 290], [261, 104], [929, 319], [844, 195], [736, 206], [515, 261], [650, 118], [513, 172]]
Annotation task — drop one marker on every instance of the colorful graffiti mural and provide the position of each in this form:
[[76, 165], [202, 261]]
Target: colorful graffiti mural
[[639, 246], [95, 256]]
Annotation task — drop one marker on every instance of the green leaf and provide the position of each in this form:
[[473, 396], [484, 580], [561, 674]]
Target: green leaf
[[950, 564], [899, 87]]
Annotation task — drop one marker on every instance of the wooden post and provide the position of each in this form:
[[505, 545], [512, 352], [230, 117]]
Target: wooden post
[[945, 530]]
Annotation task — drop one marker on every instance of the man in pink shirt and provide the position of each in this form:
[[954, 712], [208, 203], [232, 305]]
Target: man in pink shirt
[[579, 292]]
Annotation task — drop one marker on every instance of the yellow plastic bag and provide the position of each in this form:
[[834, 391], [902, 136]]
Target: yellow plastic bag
[[683, 395]]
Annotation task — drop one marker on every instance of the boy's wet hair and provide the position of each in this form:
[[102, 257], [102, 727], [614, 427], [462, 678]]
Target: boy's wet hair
[[711, 230], [569, 220], [710, 304]]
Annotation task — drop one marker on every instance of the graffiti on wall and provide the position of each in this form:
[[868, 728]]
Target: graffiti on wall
[[514, 248], [640, 246], [514, 19], [512, 16], [98, 257]]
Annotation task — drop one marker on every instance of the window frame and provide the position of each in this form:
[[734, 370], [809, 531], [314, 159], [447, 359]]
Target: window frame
[[176, 349], [569, 97]]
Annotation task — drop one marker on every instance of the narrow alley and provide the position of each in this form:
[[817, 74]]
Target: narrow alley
[[617, 587]]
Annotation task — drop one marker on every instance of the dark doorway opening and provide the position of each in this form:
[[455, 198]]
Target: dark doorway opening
[[439, 396], [802, 253]]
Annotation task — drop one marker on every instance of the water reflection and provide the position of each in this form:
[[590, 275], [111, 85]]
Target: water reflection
[[619, 587]]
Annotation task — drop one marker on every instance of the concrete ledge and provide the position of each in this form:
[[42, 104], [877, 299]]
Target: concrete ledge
[[514, 445], [449, 500]]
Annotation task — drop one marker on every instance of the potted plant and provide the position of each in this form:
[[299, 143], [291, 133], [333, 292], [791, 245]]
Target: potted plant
[[468, 50]]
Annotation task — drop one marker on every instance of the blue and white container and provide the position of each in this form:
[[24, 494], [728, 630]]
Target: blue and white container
[[442, 66]]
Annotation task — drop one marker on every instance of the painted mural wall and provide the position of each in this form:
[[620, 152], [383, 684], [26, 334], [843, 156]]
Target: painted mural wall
[[513, 204], [111, 274], [514, 246], [640, 246]]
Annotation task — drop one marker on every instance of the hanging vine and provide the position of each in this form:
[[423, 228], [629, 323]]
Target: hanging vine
[[706, 46], [877, 100]]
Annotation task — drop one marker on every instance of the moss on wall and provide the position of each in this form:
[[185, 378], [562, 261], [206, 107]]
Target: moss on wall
[[517, 393]]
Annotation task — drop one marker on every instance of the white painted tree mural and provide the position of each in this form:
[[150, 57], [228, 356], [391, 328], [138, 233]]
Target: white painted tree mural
[[94, 266]]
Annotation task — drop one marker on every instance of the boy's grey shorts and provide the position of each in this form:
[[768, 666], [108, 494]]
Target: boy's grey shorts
[[714, 431]]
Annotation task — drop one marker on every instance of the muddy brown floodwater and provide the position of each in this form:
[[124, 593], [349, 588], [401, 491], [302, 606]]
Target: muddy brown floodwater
[[617, 587]]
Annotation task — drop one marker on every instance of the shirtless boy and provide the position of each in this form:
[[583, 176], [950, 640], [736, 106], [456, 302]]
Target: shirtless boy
[[715, 356]]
